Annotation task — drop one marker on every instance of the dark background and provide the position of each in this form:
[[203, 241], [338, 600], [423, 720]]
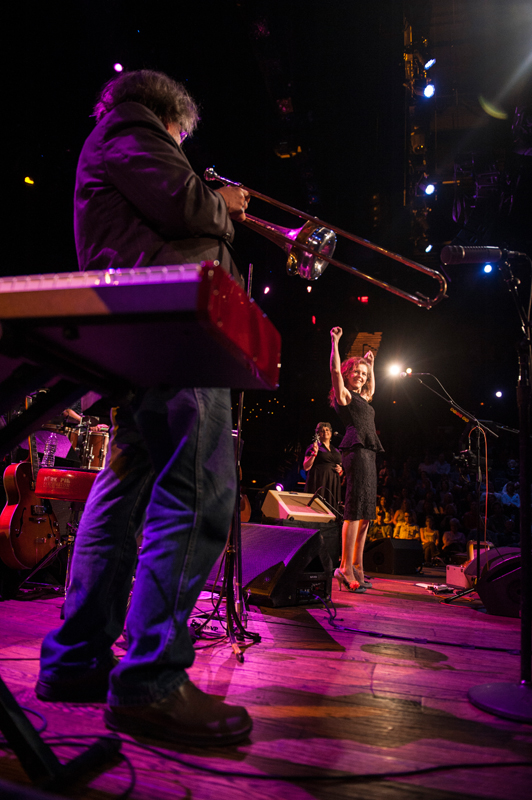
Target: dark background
[[325, 80]]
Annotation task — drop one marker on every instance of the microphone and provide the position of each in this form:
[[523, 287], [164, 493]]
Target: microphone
[[455, 254]]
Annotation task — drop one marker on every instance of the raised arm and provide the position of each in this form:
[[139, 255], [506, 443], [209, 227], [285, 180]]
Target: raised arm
[[369, 389], [343, 395]]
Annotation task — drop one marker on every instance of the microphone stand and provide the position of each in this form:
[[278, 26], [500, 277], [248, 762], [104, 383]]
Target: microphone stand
[[505, 699], [466, 417], [235, 604]]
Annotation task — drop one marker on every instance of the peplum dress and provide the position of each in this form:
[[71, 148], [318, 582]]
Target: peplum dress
[[359, 448]]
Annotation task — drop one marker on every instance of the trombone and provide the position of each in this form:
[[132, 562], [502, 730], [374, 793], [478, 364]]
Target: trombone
[[311, 247]]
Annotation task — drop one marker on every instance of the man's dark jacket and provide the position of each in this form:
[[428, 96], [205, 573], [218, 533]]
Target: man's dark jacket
[[138, 201]]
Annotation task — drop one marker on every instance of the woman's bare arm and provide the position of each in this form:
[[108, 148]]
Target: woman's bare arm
[[343, 395]]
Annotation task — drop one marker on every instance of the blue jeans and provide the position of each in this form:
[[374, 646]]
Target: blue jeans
[[170, 473]]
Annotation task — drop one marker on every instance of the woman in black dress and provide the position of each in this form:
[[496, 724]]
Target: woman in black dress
[[323, 465], [353, 385]]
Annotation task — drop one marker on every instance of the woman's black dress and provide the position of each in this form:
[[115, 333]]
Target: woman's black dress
[[359, 447], [323, 474]]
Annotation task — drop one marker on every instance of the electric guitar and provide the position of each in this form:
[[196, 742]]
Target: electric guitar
[[28, 526]]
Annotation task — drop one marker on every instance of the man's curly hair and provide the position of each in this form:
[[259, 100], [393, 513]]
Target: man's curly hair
[[168, 99]]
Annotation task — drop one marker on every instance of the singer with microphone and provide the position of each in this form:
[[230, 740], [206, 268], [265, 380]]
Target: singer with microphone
[[353, 386], [323, 465]]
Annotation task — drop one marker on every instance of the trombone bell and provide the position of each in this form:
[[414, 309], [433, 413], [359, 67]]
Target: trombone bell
[[307, 264], [319, 239]]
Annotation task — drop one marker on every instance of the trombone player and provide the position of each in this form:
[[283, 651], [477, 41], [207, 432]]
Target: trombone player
[[170, 470]]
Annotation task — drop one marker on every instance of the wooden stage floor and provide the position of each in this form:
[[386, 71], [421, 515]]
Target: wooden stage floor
[[383, 692]]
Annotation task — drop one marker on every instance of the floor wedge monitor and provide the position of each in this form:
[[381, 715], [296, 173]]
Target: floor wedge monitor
[[281, 566], [295, 505]]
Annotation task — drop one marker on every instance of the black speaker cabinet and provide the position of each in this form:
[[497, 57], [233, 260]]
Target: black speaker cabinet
[[487, 556], [499, 586], [393, 556], [331, 532], [282, 566]]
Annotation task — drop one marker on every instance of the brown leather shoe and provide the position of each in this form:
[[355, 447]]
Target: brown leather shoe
[[187, 716], [89, 687]]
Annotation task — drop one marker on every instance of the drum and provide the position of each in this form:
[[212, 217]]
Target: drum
[[95, 449]]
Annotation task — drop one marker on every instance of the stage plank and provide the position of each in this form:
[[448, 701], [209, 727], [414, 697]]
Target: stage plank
[[381, 690]]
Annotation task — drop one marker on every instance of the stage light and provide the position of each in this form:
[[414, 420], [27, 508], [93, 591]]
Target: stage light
[[488, 268], [408, 370], [363, 299], [394, 369], [498, 394], [279, 487], [430, 63], [118, 67], [428, 248], [309, 289], [429, 90], [266, 289], [29, 180], [424, 186]]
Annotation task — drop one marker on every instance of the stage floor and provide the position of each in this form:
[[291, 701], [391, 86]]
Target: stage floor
[[385, 691]]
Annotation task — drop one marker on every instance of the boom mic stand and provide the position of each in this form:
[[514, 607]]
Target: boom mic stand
[[466, 417], [506, 699], [514, 700]]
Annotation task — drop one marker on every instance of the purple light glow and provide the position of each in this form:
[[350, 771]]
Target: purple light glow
[[118, 67]]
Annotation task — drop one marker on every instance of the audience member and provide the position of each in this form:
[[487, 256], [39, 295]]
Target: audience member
[[429, 539], [407, 529], [454, 540]]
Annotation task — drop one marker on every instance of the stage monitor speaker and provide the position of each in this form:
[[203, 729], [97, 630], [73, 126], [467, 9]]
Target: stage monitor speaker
[[487, 556], [499, 586], [393, 556], [331, 532], [282, 566], [293, 505]]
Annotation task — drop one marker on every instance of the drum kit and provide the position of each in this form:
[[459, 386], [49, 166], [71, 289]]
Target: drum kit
[[89, 440]]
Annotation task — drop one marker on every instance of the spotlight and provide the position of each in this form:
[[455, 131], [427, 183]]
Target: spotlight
[[118, 67], [488, 268], [498, 394], [429, 90], [279, 487], [394, 369], [266, 289], [428, 248], [309, 289], [430, 63], [424, 186]]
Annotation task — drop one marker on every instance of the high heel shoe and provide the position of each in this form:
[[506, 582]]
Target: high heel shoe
[[353, 586], [367, 584]]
